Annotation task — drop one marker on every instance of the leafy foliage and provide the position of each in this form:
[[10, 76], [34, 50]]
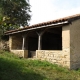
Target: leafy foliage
[[15, 12]]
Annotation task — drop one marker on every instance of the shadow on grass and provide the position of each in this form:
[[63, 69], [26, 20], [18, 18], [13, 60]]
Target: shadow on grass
[[14, 70]]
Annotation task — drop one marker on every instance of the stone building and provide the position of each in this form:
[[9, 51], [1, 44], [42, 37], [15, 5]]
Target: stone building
[[56, 41]]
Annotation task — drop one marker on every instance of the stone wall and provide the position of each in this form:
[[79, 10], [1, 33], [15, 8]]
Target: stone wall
[[60, 57], [15, 46], [15, 42], [66, 45], [57, 57], [52, 56], [21, 53], [4, 45], [75, 44]]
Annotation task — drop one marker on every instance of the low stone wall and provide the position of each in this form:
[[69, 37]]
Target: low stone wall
[[21, 53], [56, 57]]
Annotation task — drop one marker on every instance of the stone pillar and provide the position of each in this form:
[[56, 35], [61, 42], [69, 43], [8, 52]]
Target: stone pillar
[[40, 39], [23, 47], [24, 42], [66, 46]]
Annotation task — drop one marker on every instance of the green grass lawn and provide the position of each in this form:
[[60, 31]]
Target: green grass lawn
[[14, 68]]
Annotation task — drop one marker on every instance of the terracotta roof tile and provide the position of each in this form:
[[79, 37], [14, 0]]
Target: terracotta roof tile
[[46, 23]]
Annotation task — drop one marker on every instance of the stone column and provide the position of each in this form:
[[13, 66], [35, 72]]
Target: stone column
[[23, 43], [40, 39], [25, 40]]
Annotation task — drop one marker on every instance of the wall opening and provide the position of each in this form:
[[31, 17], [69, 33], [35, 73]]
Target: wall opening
[[52, 39], [32, 44]]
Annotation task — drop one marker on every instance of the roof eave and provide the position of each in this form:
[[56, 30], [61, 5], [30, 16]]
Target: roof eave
[[34, 28]]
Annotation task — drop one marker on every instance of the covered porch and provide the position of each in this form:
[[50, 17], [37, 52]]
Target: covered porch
[[25, 44]]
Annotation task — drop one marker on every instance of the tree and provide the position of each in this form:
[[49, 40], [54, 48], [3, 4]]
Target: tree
[[15, 13]]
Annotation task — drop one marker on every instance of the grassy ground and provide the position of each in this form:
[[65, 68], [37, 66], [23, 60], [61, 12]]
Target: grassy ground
[[13, 68]]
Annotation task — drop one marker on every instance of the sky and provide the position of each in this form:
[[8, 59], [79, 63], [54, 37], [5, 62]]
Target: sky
[[47, 10]]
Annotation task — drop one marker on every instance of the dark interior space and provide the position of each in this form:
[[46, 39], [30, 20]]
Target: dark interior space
[[32, 47], [32, 44], [52, 39]]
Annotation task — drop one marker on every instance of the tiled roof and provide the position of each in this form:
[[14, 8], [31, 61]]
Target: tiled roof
[[73, 17]]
